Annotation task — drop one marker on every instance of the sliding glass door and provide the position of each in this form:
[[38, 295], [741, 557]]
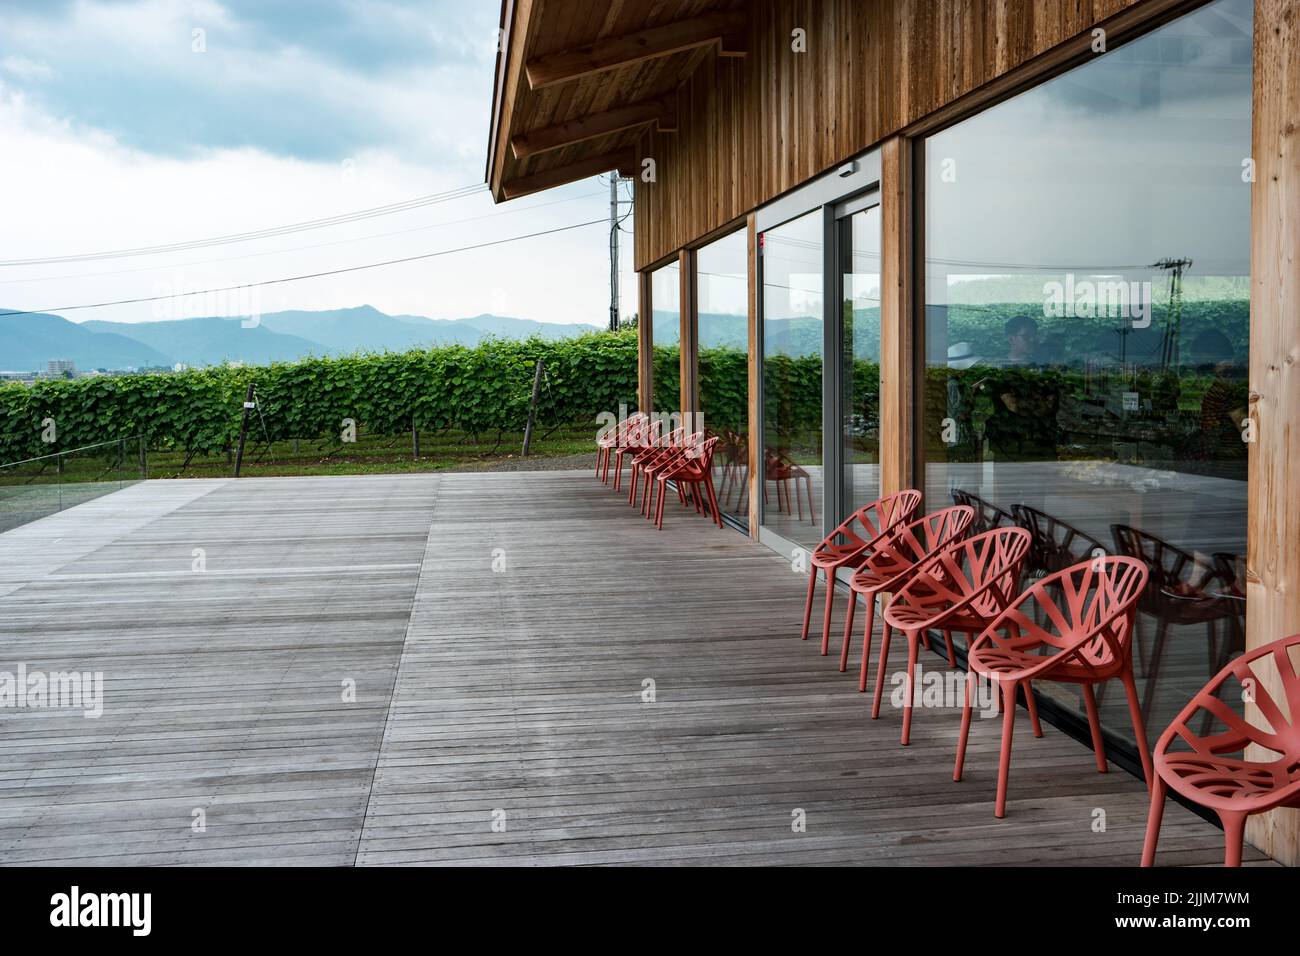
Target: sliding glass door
[[820, 349]]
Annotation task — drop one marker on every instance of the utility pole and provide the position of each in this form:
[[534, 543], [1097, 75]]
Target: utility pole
[[1169, 344], [613, 251]]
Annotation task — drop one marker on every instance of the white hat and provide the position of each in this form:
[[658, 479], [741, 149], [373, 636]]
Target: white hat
[[962, 356]]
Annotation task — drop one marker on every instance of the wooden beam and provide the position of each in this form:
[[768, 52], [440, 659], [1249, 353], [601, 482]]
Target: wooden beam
[[645, 365], [689, 396], [1273, 526], [897, 360], [514, 38], [755, 474], [662, 111], [624, 161], [613, 52]]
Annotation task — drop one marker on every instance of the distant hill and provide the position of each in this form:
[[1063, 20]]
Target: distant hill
[[27, 342]]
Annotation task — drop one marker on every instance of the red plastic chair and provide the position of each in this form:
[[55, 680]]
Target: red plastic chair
[[663, 447], [1234, 786], [875, 520], [1086, 639], [962, 588], [694, 470], [638, 442], [678, 447], [888, 567], [618, 436]]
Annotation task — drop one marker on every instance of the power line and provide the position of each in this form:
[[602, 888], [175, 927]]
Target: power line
[[318, 245], [313, 275], [417, 203]]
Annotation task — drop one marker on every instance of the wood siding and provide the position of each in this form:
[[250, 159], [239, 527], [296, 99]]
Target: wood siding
[[752, 128], [1273, 536]]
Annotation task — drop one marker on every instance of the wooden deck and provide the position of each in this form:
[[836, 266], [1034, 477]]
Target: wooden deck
[[499, 714]]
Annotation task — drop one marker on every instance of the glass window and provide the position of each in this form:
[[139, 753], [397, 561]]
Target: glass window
[[722, 330], [792, 314], [1087, 326], [859, 252], [666, 335]]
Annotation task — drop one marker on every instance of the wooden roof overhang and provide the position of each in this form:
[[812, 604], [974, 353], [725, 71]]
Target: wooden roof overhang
[[578, 83]]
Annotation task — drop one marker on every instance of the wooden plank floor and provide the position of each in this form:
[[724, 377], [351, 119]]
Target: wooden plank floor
[[222, 687], [520, 702], [500, 629]]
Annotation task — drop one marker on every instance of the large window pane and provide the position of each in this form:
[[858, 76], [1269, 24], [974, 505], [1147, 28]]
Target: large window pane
[[860, 295], [722, 329], [792, 379], [666, 335], [1087, 330]]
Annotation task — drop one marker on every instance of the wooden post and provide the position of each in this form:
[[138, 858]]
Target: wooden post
[[688, 398], [415, 439], [243, 428], [645, 365], [1273, 526], [898, 419], [532, 406], [755, 473]]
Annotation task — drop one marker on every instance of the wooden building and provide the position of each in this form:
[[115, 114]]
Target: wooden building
[[1040, 256]]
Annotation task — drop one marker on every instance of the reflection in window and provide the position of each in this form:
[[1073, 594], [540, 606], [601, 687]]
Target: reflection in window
[[792, 378], [722, 328], [1087, 331], [859, 247], [666, 336]]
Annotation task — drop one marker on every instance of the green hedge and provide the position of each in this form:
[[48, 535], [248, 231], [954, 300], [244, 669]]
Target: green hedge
[[480, 389]]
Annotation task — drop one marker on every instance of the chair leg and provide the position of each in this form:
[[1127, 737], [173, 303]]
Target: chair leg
[[913, 650], [1031, 704], [952, 655], [1234, 836], [812, 514], [886, 633], [830, 599], [1153, 822], [1094, 724], [1139, 725], [1004, 760], [866, 646], [848, 629], [965, 725], [713, 500], [807, 605], [797, 500]]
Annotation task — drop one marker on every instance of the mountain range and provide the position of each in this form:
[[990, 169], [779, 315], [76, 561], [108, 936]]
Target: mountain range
[[29, 340]]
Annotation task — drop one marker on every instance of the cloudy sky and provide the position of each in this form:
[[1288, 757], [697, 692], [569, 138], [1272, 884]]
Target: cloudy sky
[[138, 123]]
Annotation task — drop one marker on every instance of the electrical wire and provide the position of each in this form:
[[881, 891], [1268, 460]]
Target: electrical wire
[[299, 278], [418, 203]]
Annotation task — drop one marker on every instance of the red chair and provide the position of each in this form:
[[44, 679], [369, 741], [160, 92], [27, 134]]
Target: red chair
[[782, 469], [1234, 786], [1087, 639], [676, 449], [617, 437], [876, 520], [888, 567], [642, 439], [694, 470], [657, 451], [962, 588]]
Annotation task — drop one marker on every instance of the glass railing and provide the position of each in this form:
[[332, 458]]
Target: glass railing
[[47, 484]]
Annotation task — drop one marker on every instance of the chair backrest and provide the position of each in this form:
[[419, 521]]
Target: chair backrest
[[1088, 607], [1275, 697], [912, 543], [1172, 570], [1057, 545], [987, 515], [985, 566], [878, 518]]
